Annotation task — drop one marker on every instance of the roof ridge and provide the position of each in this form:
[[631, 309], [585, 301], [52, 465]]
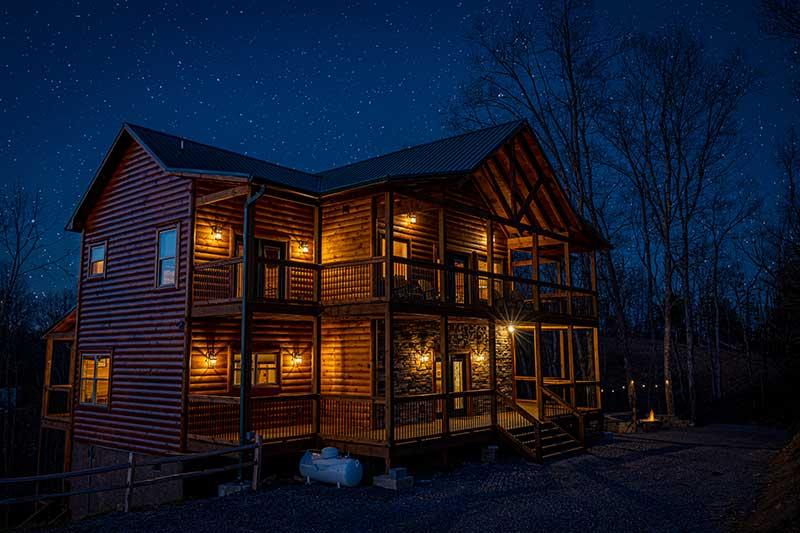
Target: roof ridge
[[239, 154], [322, 173]]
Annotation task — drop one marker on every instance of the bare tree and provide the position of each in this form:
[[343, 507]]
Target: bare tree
[[674, 127], [553, 71], [781, 19]]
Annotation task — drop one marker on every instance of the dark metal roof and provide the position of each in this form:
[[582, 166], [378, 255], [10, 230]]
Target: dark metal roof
[[180, 154], [453, 155]]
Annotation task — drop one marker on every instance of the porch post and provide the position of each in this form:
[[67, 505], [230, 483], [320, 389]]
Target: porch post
[[537, 362], [493, 368], [596, 349], [246, 337], [442, 255], [444, 348], [571, 354], [535, 271], [388, 368], [490, 262], [388, 213], [317, 333], [568, 276]]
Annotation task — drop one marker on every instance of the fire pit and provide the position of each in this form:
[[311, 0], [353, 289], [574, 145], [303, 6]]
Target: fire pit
[[651, 423]]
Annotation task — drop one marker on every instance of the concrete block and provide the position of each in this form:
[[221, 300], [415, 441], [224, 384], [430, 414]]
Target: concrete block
[[234, 487], [385, 481], [489, 454], [398, 473]]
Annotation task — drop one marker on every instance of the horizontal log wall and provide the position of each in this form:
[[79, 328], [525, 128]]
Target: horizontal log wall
[[346, 230], [125, 314], [346, 357], [221, 337]]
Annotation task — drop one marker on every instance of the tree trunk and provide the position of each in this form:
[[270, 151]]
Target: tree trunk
[[667, 310]]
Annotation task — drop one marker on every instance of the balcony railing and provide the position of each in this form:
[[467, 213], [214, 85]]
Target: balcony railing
[[416, 281], [276, 279]]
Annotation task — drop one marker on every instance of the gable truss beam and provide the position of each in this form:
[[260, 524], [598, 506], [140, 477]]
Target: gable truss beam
[[219, 196], [548, 186], [489, 176]]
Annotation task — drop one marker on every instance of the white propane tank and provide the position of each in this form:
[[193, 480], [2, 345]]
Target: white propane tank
[[328, 467]]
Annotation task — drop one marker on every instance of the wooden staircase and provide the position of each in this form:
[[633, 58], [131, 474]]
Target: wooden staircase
[[537, 440]]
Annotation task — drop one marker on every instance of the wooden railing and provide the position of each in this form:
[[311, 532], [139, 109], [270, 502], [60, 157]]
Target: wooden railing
[[277, 279], [511, 416], [352, 419], [556, 410], [353, 281], [216, 418], [418, 417]]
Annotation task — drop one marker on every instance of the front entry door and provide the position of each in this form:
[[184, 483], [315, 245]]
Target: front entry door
[[459, 381]]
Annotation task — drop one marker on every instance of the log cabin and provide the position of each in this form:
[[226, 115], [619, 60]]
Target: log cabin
[[438, 295]]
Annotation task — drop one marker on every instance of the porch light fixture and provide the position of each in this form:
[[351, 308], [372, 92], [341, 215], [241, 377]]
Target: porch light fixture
[[211, 361], [424, 357], [216, 232], [304, 247], [412, 218], [297, 359], [511, 328]]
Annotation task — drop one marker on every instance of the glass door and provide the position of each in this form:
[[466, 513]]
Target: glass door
[[458, 288]]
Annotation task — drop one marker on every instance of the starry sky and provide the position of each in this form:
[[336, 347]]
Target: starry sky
[[305, 84]]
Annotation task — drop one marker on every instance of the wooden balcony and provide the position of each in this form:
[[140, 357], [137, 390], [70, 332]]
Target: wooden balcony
[[284, 285], [423, 284]]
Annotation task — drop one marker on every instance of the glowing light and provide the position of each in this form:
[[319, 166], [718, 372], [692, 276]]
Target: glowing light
[[211, 361], [304, 247], [297, 359], [511, 328], [216, 231], [412, 218]]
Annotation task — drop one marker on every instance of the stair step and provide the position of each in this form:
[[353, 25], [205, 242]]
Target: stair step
[[562, 453]]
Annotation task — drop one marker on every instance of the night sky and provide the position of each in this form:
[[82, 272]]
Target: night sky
[[303, 85]]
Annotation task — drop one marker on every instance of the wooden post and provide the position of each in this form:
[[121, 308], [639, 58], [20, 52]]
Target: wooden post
[[571, 355], [535, 271], [316, 367], [593, 267], [444, 349], [129, 483], [568, 277], [388, 339], [596, 350], [537, 362], [318, 253], [257, 453], [490, 262], [388, 207], [442, 255], [493, 368]]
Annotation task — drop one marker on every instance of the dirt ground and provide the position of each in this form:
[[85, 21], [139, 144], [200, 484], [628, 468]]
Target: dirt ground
[[698, 479]]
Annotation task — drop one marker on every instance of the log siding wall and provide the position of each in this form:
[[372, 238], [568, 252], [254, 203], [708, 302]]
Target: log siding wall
[[125, 314]]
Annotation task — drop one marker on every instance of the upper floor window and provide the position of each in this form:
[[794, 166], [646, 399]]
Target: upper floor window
[[167, 257], [97, 260], [95, 377]]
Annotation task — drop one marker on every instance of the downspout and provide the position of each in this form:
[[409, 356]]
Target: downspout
[[246, 337]]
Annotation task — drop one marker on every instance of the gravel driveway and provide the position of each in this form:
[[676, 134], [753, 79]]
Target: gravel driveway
[[703, 479]]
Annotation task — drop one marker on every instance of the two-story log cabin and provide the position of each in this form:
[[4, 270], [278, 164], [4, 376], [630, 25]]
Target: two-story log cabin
[[421, 299]]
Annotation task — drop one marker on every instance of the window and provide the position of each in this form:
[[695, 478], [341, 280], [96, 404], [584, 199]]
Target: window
[[401, 249], [167, 253], [97, 260], [265, 372], [95, 375], [483, 282]]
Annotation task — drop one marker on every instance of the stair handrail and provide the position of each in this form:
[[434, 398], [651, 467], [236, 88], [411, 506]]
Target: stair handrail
[[572, 411], [510, 403]]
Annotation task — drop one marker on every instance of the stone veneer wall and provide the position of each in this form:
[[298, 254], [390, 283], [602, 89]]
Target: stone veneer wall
[[417, 346]]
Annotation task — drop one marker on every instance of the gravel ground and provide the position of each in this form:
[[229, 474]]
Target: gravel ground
[[700, 479]]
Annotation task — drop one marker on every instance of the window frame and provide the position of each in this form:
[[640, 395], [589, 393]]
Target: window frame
[[95, 356], [233, 372], [93, 245], [176, 227]]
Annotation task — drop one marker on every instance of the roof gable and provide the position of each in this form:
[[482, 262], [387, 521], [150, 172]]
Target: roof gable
[[454, 155]]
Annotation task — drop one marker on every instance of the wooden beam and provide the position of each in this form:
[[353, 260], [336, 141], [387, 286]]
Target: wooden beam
[[442, 253], [559, 212], [444, 349], [495, 186], [537, 362], [490, 262], [388, 368], [571, 355], [219, 196], [492, 340], [524, 178], [388, 213]]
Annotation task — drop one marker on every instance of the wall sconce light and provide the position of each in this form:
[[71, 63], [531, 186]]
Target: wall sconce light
[[412, 218], [480, 357], [304, 247], [511, 328], [216, 232], [297, 359], [424, 357], [211, 361]]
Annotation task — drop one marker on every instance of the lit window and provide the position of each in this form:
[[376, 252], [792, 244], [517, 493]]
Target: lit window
[[97, 260], [265, 370], [95, 375], [167, 253]]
